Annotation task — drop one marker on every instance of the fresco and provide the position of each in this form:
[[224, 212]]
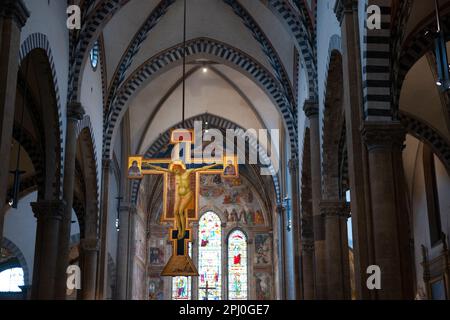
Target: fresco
[[155, 288], [263, 281], [140, 241], [233, 197], [263, 249], [156, 256]]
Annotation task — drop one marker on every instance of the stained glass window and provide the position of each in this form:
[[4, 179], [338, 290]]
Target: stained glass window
[[181, 286], [209, 257], [237, 266]]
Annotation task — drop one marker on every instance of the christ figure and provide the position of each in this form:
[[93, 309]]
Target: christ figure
[[183, 192]]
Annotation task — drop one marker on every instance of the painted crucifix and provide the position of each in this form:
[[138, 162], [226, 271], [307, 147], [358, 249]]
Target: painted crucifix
[[183, 194], [180, 196]]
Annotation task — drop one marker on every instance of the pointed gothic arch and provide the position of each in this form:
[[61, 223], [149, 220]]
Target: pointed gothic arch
[[217, 51], [214, 122], [37, 45]]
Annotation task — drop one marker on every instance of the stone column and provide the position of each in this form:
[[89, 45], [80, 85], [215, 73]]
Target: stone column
[[125, 214], [122, 252], [131, 249], [389, 210], [296, 245], [26, 292], [307, 257], [13, 16], [75, 113], [282, 258], [347, 13], [103, 257], [89, 253], [312, 112], [49, 215], [336, 215]]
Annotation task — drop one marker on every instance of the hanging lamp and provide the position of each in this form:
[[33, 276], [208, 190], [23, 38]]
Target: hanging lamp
[[443, 81]]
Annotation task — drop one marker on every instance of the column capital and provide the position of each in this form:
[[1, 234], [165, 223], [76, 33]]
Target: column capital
[[344, 6], [334, 208], [307, 228], [49, 209], [75, 111], [16, 10], [129, 207], [106, 163], [383, 135], [311, 108], [90, 244], [280, 209], [308, 246]]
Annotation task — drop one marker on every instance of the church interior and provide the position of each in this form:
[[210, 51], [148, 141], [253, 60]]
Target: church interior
[[354, 95]]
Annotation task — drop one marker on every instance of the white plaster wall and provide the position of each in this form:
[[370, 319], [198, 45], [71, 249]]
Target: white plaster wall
[[118, 34], [275, 32], [205, 18]]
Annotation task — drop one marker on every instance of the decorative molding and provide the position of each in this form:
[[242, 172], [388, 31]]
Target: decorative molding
[[16, 10], [85, 135], [427, 134], [333, 121], [311, 109], [334, 208], [83, 41], [75, 111], [382, 135], [377, 67], [342, 7], [334, 49], [48, 210]]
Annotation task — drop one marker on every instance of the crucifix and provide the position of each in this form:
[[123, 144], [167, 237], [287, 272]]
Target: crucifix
[[180, 195], [207, 288]]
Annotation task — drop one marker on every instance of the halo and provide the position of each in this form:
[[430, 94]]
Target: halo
[[177, 163]]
